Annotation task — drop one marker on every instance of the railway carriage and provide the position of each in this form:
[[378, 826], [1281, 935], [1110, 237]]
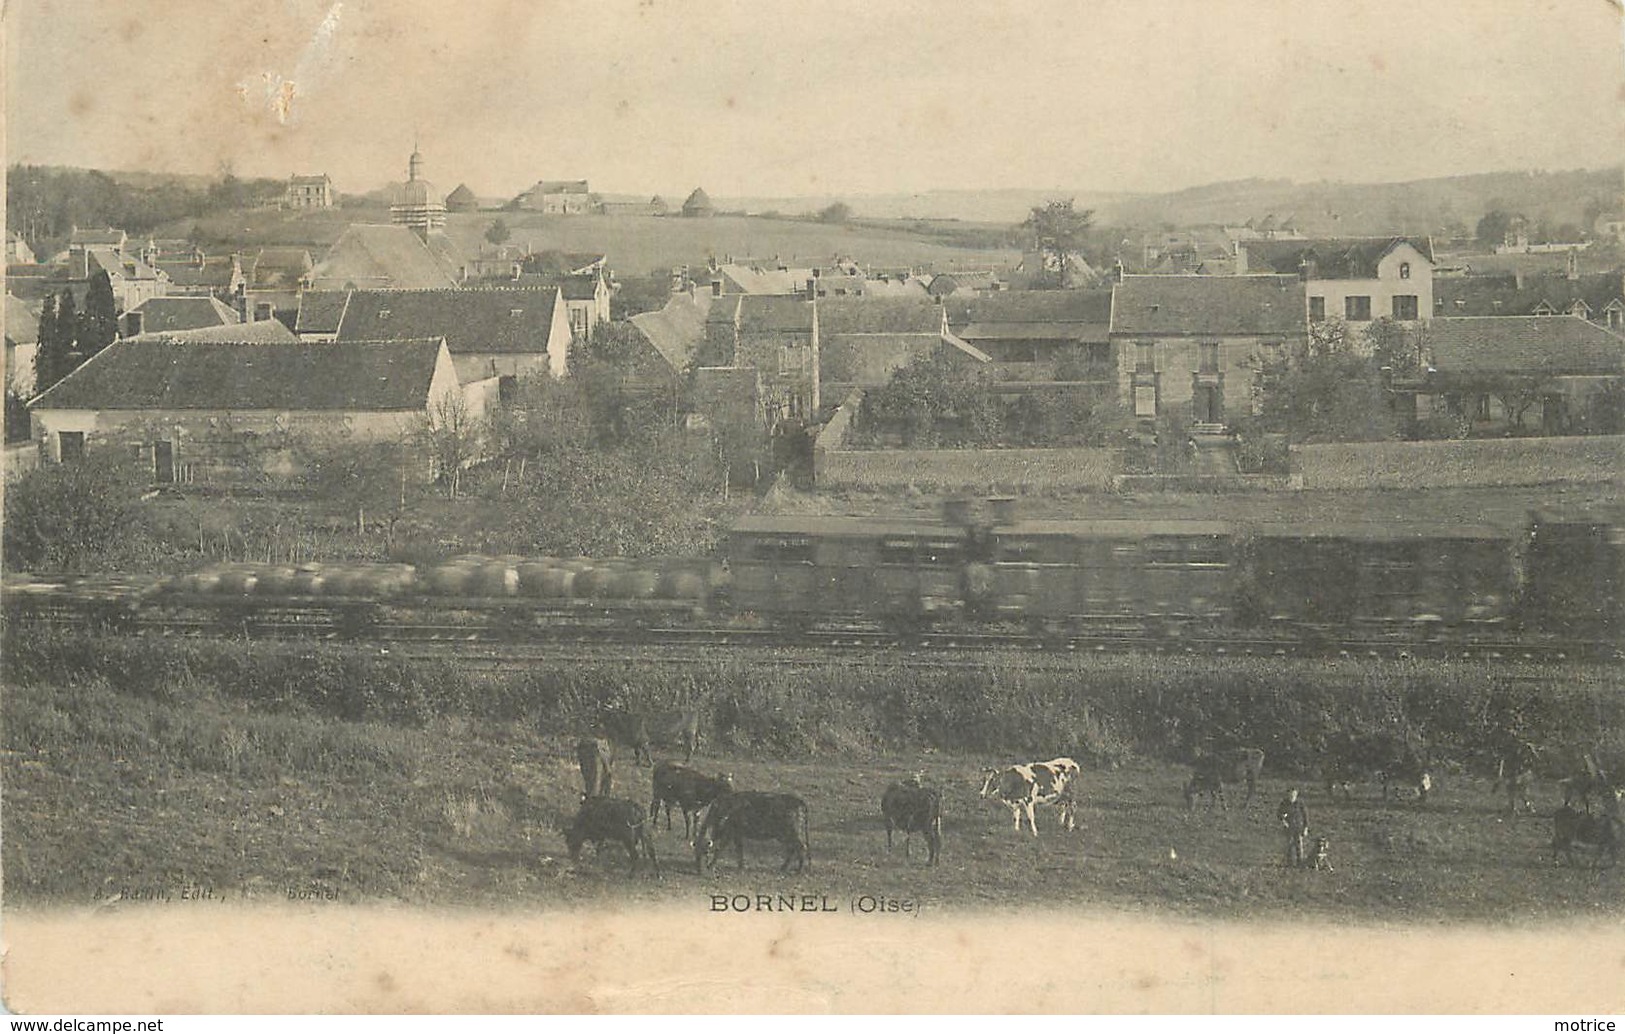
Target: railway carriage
[[1129, 576], [798, 570]]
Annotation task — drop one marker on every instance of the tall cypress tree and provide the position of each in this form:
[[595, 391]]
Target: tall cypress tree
[[51, 356], [67, 333], [98, 327]]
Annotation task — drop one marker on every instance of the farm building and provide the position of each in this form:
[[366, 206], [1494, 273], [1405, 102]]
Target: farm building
[[372, 257], [1556, 375], [233, 411], [496, 332], [1039, 335], [186, 312], [863, 341]]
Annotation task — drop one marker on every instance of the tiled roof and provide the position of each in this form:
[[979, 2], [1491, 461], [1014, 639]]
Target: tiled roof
[[677, 330], [473, 322], [120, 265], [168, 373], [183, 313], [1210, 305], [90, 238], [376, 256], [1501, 295], [918, 315], [767, 312], [259, 332], [309, 181], [216, 271], [1082, 315], [1345, 258], [320, 312], [1544, 345], [576, 287], [560, 187]]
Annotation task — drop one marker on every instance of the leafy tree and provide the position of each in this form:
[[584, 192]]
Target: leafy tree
[[1493, 228], [498, 232], [839, 212], [1057, 231], [1326, 393], [1396, 347], [98, 325], [937, 399], [17, 422]]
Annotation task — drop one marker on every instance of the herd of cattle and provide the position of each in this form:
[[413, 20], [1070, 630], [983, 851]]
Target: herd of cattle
[[718, 816]]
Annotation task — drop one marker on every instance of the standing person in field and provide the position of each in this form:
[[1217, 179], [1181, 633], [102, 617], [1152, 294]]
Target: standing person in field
[[1295, 820]]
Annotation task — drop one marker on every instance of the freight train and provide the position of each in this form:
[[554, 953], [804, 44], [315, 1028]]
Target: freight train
[[1556, 578]]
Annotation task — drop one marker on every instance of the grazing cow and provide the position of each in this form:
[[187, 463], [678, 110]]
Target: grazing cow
[[691, 790], [612, 819], [640, 729], [1571, 827], [1021, 787], [1209, 773], [753, 815], [1346, 758], [593, 757], [913, 808]]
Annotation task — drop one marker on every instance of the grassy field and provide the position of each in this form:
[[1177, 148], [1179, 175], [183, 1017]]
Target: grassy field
[[190, 791], [635, 245]]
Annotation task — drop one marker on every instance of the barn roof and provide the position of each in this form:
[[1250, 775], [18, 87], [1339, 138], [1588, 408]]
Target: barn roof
[[166, 373], [477, 322], [1541, 345]]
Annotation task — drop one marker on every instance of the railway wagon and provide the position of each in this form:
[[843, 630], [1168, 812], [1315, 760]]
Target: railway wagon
[[1381, 579], [1165, 576], [799, 570], [1575, 575]]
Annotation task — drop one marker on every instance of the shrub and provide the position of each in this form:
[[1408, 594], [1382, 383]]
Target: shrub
[[70, 516]]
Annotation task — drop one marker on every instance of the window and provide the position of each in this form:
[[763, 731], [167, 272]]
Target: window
[[1405, 307], [1208, 357], [1404, 270], [1616, 318], [70, 445], [1145, 400], [1145, 357], [1317, 308], [1357, 307]]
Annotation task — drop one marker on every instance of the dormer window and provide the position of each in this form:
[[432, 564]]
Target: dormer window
[[383, 314], [516, 312], [1404, 270]]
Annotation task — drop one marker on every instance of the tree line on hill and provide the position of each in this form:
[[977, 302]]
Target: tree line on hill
[[44, 203]]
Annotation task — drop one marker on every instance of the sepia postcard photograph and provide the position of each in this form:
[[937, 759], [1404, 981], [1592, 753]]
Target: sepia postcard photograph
[[648, 506]]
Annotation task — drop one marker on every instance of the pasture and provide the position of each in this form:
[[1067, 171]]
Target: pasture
[[112, 794]]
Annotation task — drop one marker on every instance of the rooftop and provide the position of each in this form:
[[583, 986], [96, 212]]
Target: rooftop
[[1210, 305]]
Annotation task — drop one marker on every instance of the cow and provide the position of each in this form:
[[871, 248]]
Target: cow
[[594, 758], [1571, 827], [691, 790], [1347, 758], [1209, 773], [913, 808], [612, 819], [754, 815], [640, 729], [1021, 787]]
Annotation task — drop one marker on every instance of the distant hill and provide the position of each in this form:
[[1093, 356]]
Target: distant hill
[[1353, 209]]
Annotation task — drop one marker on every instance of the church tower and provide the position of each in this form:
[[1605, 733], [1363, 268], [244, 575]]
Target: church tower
[[417, 205]]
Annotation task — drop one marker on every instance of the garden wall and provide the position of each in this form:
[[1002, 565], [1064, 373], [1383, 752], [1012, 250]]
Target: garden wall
[[1509, 461]]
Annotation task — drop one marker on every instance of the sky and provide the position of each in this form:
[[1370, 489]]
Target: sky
[[771, 98]]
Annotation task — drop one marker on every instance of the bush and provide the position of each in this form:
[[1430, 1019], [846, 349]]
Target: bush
[[70, 516]]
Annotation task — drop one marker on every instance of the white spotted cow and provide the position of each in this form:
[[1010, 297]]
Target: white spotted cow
[[1021, 787]]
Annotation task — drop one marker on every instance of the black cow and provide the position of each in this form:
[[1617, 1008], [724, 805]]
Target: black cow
[[640, 729], [691, 790], [1209, 773], [753, 815], [612, 819], [913, 808], [1571, 827], [1347, 758], [593, 757]]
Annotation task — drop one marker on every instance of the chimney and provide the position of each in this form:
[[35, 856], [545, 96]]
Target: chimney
[[1517, 277], [241, 301], [1574, 264]]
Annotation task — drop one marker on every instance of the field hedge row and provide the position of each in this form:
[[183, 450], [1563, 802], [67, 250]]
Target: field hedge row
[[1104, 709]]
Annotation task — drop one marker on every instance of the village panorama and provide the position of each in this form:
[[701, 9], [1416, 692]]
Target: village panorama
[[1250, 551]]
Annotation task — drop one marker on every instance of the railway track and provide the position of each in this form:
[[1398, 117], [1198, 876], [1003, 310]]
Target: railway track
[[498, 647]]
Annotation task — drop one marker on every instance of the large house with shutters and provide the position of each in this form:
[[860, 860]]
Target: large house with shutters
[[1357, 280], [1187, 345]]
